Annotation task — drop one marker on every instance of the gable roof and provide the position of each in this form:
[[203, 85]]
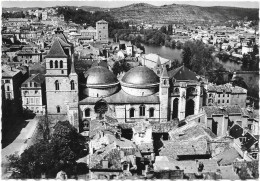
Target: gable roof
[[183, 73], [56, 51], [38, 78]]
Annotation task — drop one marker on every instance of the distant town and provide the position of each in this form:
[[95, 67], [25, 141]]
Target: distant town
[[86, 96]]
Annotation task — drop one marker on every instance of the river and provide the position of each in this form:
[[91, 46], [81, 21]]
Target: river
[[164, 52], [173, 54]]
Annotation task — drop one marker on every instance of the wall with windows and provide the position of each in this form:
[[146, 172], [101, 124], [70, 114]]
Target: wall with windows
[[32, 97], [29, 58], [125, 113], [102, 31], [59, 92]]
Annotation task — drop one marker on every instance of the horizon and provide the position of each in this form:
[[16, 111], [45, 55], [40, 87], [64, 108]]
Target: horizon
[[116, 4]]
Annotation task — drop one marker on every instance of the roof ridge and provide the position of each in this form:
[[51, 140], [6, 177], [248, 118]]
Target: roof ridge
[[56, 50]]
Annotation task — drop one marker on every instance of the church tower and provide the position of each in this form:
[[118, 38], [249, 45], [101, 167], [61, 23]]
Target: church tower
[[164, 95], [61, 81]]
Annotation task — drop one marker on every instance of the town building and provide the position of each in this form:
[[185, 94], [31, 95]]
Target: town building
[[102, 31], [225, 95], [154, 62], [33, 94], [12, 79]]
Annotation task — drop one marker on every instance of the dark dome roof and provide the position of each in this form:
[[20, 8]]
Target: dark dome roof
[[139, 76], [99, 75]]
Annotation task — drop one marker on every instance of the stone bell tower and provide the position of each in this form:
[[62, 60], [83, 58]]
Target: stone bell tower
[[164, 96]]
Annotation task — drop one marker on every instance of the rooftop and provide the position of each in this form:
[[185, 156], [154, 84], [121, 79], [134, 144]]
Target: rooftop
[[38, 78], [56, 50], [191, 131], [218, 110], [226, 88], [9, 72], [173, 149], [183, 74]]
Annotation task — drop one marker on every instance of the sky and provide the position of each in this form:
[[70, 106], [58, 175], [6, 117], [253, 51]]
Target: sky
[[111, 3]]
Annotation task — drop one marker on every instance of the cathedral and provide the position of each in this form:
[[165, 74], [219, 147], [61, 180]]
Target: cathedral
[[141, 94]]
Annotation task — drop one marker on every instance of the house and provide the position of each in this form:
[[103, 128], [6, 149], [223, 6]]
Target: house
[[225, 95], [33, 94], [155, 62], [12, 79], [29, 56]]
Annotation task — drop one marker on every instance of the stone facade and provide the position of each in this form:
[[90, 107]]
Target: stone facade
[[61, 84], [102, 31]]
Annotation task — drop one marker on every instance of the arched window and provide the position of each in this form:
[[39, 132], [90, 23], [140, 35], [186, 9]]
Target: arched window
[[164, 82], [51, 64], [132, 112], [72, 85], [87, 112], [56, 64], [61, 64], [176, 90], [142, 110], [8, 88], [58, 109], [57, 86], [151, 112]]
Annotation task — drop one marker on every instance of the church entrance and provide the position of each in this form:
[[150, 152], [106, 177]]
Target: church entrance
[[189, 108], [175, 108]]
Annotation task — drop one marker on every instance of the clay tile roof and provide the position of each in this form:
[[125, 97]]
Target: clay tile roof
[[56, 51], [191, 131], [182, 73], [7, 71], [216, 110], [173, 149], [227, 157], [38, 78]]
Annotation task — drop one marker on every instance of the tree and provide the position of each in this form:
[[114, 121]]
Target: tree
[[186, 57], [163, 29], [61, 152], [198, 56]]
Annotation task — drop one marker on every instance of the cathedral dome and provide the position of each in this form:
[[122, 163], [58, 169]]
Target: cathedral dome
[[140, 81], [100, 76], [140, 76]]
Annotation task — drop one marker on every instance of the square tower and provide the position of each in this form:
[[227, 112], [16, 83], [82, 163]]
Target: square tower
[[61, 86], [102, 31]]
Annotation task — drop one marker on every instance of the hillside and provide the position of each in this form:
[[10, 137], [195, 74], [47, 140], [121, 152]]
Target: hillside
[[143, 12]]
